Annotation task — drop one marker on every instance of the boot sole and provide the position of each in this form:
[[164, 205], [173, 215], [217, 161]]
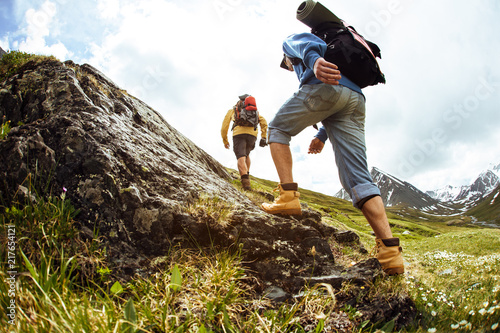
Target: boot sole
[[284, 211], [394, 270]]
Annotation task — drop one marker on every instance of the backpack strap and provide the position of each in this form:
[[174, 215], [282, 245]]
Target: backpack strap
[[359, 38]]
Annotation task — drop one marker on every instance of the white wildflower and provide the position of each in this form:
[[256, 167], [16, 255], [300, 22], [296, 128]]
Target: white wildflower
[[433, 313], [494, 326], [482, 311], [454, 326], [431, 330], [463, 322]]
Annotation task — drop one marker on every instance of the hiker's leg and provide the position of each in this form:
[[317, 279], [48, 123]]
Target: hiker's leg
[[242, 145], [282, 157], [307, 107], [346, 132], [374, 212], [388, 249], [248, 162], [242, 165], [287, 202], [310, 105], [250, 140]]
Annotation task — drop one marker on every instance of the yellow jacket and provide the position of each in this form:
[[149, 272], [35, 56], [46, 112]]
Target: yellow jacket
[[241, 129]]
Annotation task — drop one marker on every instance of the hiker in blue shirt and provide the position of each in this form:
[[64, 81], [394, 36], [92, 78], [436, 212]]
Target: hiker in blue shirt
[[326, 96]]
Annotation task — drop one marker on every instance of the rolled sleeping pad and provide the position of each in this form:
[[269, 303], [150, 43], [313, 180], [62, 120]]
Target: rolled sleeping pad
[[312, 13]]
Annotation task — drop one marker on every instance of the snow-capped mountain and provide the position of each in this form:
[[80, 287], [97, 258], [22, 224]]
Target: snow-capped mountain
[[397, 192], [447, 193], [470, 195], [447, 200]]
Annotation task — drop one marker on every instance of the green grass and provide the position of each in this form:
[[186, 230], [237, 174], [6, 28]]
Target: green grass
[[65, 284], [61, 283], [489, 209], [455, 279], [12, 61], [4, 128], [452, 273], [190, 290]]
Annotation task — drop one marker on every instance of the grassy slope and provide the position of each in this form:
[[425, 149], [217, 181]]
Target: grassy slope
[[452, 272], [488, 209]]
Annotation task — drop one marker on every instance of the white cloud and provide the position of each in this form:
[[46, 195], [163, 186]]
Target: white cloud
[[108, 9], [39, 23]]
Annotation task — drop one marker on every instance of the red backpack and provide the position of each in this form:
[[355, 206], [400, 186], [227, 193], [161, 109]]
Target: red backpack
[[246, 113]]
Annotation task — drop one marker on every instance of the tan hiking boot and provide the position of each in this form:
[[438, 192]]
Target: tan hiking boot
[[389, 255], [286, 203], [245, 182]]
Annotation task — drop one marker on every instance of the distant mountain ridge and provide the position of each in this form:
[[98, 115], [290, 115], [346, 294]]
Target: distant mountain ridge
[[397, 192], [447, 200], [470, 195]]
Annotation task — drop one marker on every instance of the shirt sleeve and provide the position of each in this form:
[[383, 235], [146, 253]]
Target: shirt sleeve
[[225, 126], [263, 127], [305, 46], [322, 134]]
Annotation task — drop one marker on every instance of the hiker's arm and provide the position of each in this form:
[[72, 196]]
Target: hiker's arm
[[318, 142], [225, 128], [311, 50], [263, 131], [326, 72], [263, 127], [305, 46], [322, 134], [316, 146]]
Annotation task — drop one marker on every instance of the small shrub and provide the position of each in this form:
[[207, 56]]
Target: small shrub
[[13, 60], [5, 128]]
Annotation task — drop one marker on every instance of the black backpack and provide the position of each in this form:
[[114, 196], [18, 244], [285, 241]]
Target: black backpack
[[354, 55], [245, 112]]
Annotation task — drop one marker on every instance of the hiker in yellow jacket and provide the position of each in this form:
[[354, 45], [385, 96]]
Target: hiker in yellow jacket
[[245, 119]]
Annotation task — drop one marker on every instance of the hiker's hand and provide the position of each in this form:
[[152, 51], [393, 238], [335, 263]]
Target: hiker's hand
[[316, 146], [227, 146], [326, 72], [263, 142]]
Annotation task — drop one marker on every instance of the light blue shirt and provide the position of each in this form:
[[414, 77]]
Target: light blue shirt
[[309, 48]]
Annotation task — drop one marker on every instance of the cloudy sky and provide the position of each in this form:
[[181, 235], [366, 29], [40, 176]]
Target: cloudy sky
[[436, 121]]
